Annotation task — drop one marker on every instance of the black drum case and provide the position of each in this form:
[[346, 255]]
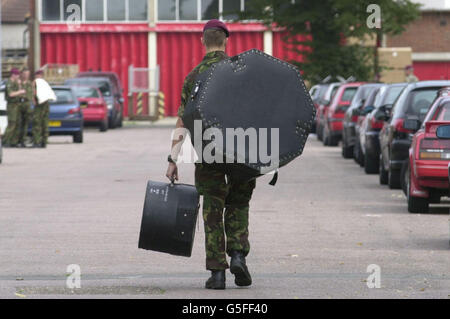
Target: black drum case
[[169, 218]]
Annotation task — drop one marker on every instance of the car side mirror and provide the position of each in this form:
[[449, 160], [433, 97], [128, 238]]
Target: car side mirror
[[356, 112], [443, 132], [411, 124], [368, 109], [382, 114]]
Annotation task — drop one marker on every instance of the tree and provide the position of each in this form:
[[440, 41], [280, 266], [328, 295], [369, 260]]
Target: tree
[[328, 24]]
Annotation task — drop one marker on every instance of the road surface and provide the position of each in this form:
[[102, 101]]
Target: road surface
[[314, 235]]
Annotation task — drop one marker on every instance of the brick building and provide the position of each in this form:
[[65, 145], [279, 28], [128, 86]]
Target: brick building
[[429, 38]]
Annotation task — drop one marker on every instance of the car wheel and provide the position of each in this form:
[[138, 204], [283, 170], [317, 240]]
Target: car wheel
[[404, 176], [416, 205], [333, 141], [357, 154], [394, 179], [319, 132], [384, 177], [120, 124], [78, 137], [104, 126], [347, 152], [371, 164]]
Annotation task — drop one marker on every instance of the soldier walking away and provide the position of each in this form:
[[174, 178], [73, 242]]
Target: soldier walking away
[[14, 94], [42, 94], [225, 200], [409, 74], [24, 109]]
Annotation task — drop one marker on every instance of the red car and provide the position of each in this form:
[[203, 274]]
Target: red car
[[427, 178], [332, 132], [93, 105]]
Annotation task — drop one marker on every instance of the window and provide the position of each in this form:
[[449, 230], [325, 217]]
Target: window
[[188, 9], [198, 10], [116, 10], [51, 10], [231, 9], [348, 94], [210, 9], [167, 10], [138, 10], [63, 96], [94, 10]]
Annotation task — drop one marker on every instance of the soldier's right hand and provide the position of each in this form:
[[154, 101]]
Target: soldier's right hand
[[172, 172]]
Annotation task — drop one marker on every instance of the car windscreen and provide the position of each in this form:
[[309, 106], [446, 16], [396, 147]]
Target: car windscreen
[[333, 91], [392, 93], [102, 85], [348, 94], [441, 113], [419, 101], [85, 92], [63, 96]]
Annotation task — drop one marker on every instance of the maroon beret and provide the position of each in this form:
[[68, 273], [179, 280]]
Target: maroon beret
[[38, 72], [15, 71], [216, 24]]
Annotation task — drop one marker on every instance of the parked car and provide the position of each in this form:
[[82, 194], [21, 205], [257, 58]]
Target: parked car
[[322, 107], [427, 178], [93, 106], [65, 116], [109, 85], [316, 91], [370, 127], [395, 137], [335, 113], [3, 116], [351, 117]]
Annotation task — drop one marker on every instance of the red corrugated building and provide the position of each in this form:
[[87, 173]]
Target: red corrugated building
[[111, 35]]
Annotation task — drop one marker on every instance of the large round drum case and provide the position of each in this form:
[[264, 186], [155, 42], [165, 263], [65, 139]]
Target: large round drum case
[[169, 218], [252, 90]]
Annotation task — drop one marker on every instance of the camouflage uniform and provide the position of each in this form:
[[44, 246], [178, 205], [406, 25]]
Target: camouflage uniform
[[40, 123], [220, 191], [24, 112], [11, 134]]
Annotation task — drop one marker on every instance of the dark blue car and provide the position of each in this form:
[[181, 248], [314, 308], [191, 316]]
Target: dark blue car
[[65, 116]]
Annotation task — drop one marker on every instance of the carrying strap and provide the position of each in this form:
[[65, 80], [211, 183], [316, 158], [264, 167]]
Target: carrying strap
[[274, 180]]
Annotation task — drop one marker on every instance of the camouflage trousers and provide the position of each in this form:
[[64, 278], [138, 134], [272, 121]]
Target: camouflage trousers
[[40, 123], [23, 121], [225, 214], [11, 136]]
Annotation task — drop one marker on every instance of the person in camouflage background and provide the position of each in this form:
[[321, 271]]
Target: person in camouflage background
[[225, 199], [24, 108], [14, 94], [40, 118]]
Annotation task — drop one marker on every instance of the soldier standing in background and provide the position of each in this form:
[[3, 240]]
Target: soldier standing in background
[[41, 98], [14, 94], [409, 74], [24, 108], [220, 190]]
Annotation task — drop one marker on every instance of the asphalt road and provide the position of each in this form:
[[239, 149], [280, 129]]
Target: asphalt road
[[312, 236]]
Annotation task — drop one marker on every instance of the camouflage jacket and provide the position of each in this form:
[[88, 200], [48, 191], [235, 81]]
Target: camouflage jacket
[[12, 86], [209, 59], [28, 87]]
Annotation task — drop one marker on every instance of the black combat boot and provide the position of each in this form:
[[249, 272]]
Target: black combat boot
[[239, 269], [217, 280]]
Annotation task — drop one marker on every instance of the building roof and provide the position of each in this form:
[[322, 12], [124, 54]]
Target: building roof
[[14, 11], [434, 5]]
